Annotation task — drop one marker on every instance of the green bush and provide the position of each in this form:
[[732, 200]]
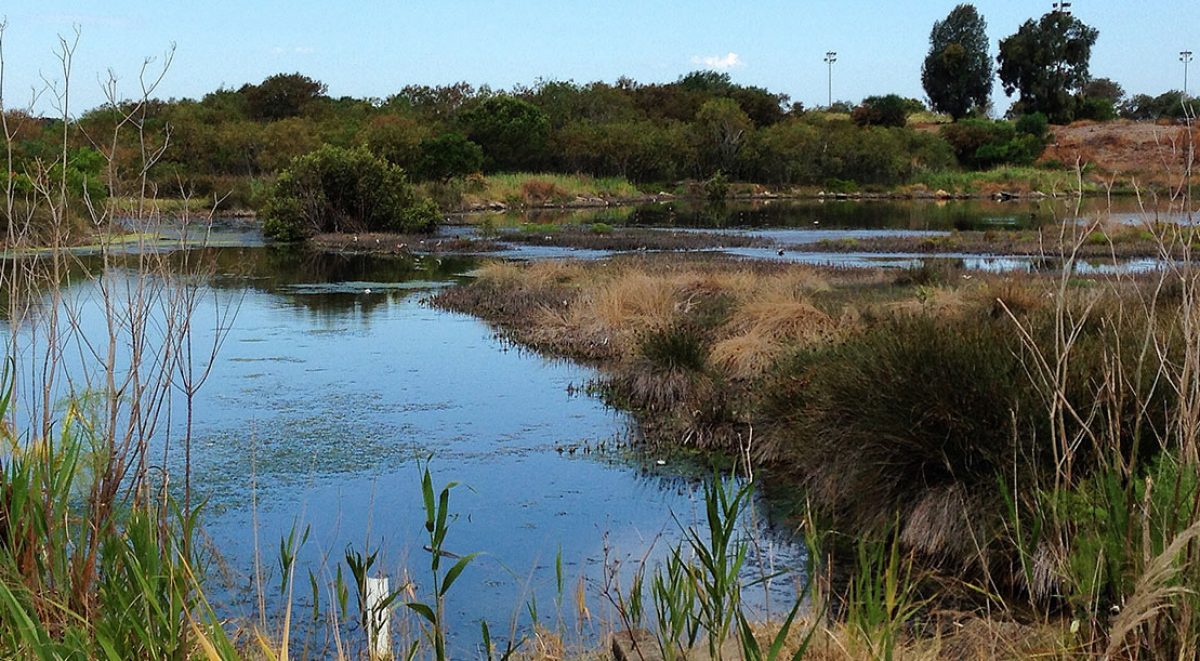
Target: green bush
[[815, 151], [344, 190], [449, 155], [716, 189], [890, 110], [512, 131], [917, 404], [981, 143]]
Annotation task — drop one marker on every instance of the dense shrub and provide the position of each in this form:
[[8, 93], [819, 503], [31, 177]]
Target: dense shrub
[[513, 133], [1143, 106], [890, 110], [813, 151], [922, 404], [447, 156], [281, 95], [981, 143], [1096, 109], [641, 150], [344, 190]]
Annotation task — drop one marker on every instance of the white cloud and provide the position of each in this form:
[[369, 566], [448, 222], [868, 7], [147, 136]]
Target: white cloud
[[725, 62]]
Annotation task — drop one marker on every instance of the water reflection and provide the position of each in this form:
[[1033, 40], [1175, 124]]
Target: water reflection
[[920, 215], [327, 397]]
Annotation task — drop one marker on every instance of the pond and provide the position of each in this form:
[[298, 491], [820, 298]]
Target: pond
[[336, 383], [795, 229]]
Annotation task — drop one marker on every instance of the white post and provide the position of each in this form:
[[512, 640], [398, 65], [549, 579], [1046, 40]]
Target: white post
[[378, 636]]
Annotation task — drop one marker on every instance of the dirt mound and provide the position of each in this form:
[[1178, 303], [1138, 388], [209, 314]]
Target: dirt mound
[[1153, 152]]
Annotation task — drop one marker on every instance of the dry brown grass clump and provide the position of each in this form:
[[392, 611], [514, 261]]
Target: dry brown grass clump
[[775, 318], [540, 191]]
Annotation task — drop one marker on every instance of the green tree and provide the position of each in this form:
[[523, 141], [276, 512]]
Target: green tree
[[282, 95], [957, 74], [890, 110], [721, 127], [449, 155], [1144, 106], [513, 132], [1047, 62], [396, 138], [344, 190]]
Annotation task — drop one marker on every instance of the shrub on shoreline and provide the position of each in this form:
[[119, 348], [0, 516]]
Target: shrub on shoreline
[[344, 190]]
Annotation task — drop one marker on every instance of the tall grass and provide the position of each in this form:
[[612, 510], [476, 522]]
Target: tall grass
[[98, 537], [526, 189], [1012, 179]]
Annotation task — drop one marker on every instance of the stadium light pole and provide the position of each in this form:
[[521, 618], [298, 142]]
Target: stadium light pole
[[830, 58], [1185, 56]]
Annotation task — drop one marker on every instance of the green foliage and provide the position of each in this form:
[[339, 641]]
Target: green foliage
[[957, 73], [889, 110], [1033, 124], [512, 132], [1096, 109], [448, 156], [815, 151], [1104, 88], [721, 128], [716, 188], [677, 347], [1047, 62], [281, 95], [642, 150], [1145, 107], [397, 139], [138, 597], [981, 143], [924, 400], [881, 598], [344, 190], [437, 518]]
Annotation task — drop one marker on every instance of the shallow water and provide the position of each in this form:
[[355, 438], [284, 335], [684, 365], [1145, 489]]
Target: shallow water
[[336, 383], [788, 223]]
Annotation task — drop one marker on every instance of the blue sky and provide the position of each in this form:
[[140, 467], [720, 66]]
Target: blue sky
[[375, 48]]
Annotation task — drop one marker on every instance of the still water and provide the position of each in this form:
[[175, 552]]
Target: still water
[[336, 383]]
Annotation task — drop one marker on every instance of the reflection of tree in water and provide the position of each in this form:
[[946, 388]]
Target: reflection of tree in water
[[275, 269], [281, 270]]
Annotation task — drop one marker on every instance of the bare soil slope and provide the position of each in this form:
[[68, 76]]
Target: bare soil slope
[[1148, 152]]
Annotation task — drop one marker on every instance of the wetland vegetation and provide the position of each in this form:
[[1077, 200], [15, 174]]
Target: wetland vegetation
[[670, 419]]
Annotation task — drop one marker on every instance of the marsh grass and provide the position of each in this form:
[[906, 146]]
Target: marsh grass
[[1022, 448], [1009, 179], [526, 189]]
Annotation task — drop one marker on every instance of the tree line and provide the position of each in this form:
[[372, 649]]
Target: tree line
[[698, 126]]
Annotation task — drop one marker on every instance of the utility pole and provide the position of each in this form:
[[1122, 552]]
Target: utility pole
[[830, 58], [1185, 56]]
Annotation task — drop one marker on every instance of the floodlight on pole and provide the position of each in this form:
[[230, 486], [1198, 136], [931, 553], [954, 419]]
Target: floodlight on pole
[[830, 58], [1185, 56]]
